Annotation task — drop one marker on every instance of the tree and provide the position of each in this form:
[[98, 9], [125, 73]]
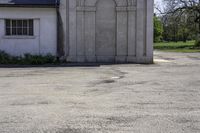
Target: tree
[[176, 28], [180, 18], [158, 29], [191, 8]]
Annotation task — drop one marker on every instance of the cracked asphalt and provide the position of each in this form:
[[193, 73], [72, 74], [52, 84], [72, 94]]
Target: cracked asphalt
[[129, 98]]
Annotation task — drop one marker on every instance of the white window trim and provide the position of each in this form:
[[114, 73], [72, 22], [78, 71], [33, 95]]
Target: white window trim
[[19, 37]]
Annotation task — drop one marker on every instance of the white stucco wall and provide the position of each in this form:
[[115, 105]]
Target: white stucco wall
[[44, 40]]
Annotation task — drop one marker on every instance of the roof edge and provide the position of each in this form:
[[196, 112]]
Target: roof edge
[[29, 6]]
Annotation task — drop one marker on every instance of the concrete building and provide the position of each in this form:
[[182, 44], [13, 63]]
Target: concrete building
[[79, 30]]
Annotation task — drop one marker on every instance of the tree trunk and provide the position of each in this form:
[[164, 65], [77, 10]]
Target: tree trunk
[[199, 27]]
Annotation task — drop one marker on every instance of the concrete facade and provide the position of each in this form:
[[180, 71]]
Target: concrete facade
[[45, 27], [117, 31], [108, 30]]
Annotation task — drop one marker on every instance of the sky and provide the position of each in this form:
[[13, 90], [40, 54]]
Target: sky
[[158, 3]]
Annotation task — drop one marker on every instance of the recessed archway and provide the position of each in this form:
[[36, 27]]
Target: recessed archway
[[105, 29]]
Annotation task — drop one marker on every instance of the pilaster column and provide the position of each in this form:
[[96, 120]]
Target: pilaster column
[[90, 41], [80, 34], [140, 31], [122, 33], [131, 33], [149, 31], [72, 32]]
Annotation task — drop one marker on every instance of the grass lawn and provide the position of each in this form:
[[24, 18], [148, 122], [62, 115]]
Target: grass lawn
[[187, 47]]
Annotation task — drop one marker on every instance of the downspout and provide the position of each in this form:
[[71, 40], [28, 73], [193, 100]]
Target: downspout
[[60, 47]]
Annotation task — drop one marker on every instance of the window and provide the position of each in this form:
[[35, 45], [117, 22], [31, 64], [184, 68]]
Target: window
[[19, 27]]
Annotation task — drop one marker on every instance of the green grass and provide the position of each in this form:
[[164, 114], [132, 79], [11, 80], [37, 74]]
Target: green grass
[[188, 47]]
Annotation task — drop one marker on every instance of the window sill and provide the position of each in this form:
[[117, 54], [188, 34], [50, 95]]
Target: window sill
[[19, 37]]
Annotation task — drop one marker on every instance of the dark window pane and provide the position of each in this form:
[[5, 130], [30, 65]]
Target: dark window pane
[[14, 31], [19, 23], [24, 23], [31, 31], [19, 31], [19, 27], [7, 23], [25, 31], [8, 31], [14, 23], [8, 27], [31, 23]]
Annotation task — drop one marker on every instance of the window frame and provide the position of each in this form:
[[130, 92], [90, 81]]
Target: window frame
[[21, 30]]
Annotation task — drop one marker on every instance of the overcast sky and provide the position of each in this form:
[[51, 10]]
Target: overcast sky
[[157, 0], [158, 3]]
